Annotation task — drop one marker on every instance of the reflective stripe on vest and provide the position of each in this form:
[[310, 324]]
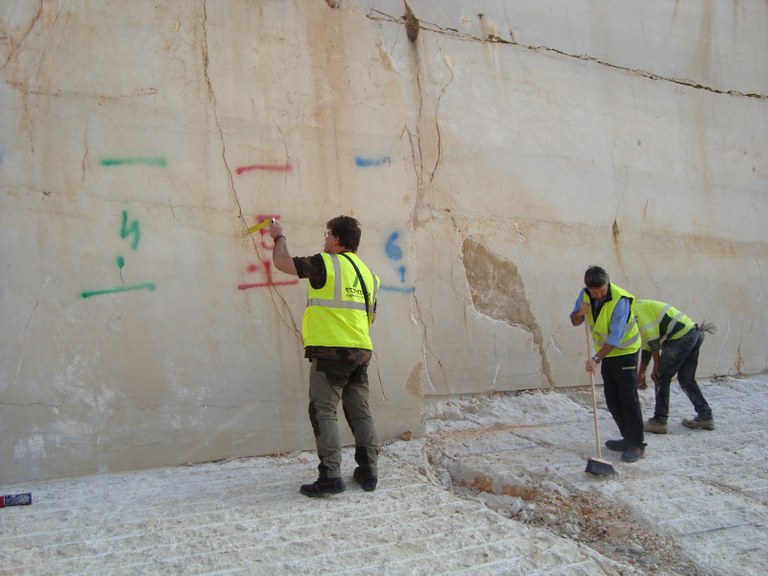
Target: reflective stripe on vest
[[336, 313], [337, 301], [651, 329], [626, 344]]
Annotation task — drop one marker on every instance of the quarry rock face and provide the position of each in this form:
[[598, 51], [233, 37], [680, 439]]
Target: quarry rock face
[[491, 152]]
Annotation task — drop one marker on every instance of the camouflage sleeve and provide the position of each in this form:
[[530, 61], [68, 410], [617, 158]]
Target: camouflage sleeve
[[312, 268]]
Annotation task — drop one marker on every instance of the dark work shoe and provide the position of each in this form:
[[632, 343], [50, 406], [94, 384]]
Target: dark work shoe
[[617, 445], [367, 482], [633, 454], [697, 422], [323, 487], [655, 427]]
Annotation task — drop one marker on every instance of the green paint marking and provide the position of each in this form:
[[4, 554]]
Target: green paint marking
[[120, 262], [148, 286], [126, 230], [159, 161]]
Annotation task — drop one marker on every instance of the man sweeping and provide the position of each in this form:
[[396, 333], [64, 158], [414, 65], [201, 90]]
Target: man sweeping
[[609, 310]]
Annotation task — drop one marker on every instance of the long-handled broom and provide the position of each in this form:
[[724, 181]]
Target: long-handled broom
[[597, 466]]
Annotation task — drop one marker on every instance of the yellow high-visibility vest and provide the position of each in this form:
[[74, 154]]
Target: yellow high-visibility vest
[[336, 313], [650, 313], [600, 326]]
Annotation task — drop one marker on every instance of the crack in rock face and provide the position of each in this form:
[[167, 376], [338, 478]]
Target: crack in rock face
[[498, 292]]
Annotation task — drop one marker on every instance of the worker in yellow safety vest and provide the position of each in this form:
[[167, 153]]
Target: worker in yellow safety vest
[[341, 306], [608, 309], [674, 341]]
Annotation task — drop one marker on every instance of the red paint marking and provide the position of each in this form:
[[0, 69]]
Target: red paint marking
[[264, 232], [266, 284], [265, 168], [269, 282]]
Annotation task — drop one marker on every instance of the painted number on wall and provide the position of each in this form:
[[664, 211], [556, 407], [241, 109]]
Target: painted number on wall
[[130, 230], [264, 269], [395, 253]]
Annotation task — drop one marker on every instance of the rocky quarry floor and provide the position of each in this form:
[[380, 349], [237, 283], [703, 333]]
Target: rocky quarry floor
[[507, 451], [497, 487]]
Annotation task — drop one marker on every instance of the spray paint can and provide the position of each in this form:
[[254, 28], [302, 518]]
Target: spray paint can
[[24, 499]]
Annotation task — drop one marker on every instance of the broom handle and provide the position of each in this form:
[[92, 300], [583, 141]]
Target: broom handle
[[592, 386]]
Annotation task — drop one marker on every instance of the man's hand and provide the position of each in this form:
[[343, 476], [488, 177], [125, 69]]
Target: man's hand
[[275, 228], [580, 315]]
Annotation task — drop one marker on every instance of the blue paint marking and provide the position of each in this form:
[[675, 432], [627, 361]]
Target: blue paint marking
[[401, 289], [361, 162], [393, 250]]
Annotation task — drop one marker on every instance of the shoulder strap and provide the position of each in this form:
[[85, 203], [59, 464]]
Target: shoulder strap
[[362, 284]]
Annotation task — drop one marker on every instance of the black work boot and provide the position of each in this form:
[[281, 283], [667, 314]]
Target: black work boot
[[634, 453], [323, 487], [363, 477], [617, 445]]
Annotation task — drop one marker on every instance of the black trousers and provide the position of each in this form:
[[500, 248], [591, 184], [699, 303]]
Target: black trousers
[[620, 386], [681, 357]]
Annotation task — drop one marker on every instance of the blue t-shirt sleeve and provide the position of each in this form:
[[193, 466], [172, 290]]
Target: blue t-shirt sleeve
[[618, 322], [579, 300]]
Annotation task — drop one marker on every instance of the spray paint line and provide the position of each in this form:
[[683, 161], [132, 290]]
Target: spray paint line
[[400, 289], [267, 284], [264, 167], [362, 162], [147, 161], [89, 293]]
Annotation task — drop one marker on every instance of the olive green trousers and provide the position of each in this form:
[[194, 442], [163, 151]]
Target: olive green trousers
[[331, 382]]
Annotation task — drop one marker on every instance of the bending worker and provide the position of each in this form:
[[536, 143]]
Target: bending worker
[[674, 340]]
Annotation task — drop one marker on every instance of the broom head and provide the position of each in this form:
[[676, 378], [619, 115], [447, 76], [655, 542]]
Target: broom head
[[599, 467]]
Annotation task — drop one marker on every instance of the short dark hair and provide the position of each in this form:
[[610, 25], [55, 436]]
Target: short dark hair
[[595, 277], [347, 230]]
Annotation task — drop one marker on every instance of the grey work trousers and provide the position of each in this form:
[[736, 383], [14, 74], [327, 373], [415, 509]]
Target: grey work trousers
[[331, 381]]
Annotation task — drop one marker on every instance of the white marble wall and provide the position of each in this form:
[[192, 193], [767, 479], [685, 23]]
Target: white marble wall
[[548, 136], [491, 158]]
